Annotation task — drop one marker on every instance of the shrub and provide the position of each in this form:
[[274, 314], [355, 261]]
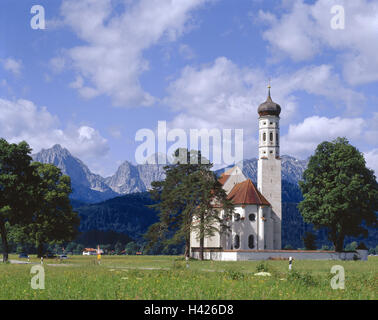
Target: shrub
[[351, 246], [262, 267], [361, 246], [303, 278], [309, 240], [288, 247], [234, 274]]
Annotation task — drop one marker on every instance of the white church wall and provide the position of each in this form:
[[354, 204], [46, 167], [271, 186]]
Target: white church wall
[[279, 254]]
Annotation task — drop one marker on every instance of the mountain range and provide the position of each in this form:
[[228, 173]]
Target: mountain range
[[129, 178], [89, 187]]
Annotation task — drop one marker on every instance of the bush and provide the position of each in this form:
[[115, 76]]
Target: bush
[[234, 274], [304, 278], [309, 241], [351, 246], [262, 267], [288, 247], [361, 246]]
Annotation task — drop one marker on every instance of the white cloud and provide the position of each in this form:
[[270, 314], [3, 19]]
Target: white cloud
[[57, 64], [23, 120], [186, 52], [304, 31], [12, 65], [223, 95], [371, 158], [111, 61], [303, 138]]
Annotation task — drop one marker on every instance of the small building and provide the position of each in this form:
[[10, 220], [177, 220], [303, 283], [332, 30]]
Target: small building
[[91, 252]]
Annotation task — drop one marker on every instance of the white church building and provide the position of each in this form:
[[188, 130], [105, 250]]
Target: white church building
[[255, 228], [256, 222]]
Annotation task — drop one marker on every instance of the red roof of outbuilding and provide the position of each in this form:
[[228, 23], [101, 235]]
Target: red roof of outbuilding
[[246, 193]]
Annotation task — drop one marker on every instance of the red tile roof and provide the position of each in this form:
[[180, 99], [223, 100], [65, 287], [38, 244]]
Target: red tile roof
[[246, 193], [223, 178]]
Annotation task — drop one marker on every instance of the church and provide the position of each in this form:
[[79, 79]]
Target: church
[[256, 222]]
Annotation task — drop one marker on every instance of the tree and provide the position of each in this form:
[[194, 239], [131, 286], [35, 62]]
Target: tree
[[17, 186], [339, 192], [131, 248], [186, 195], [54, 221], [351, 246], [70, 247], [211, 199], [79, 249], [118, 248], [309, 241]]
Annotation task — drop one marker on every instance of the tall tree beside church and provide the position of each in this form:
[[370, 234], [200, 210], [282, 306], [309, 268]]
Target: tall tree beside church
[[17, 186], [54, 221], [340, 192], [181, 198], [212, 198]]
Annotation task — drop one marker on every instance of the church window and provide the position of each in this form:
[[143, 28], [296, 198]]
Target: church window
[[252, 217], [251, 241], [264, 136], [271, 151], [276, 137], [236, 242], [271, 136], [237, 217], [271, 123]]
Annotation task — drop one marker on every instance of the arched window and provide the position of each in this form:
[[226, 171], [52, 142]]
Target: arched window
[[251, 241], [237, 217], [236, 241], [271, 136], [264, 136], [252, 217], [276, 138]]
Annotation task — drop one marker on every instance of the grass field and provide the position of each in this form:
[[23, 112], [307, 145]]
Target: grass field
[[167, 277]]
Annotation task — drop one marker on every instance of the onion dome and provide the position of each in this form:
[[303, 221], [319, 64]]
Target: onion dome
[[269, 107]]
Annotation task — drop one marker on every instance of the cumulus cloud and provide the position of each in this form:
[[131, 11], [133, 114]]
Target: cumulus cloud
[[224, 95], [304, 31], [303, 138], [12, 65], [111, 60], [23, 120], [57, 64], [371, 158]]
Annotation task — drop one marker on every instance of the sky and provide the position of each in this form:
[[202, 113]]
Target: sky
[[101, 70]]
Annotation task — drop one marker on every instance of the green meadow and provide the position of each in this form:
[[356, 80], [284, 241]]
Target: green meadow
[[168, 277]]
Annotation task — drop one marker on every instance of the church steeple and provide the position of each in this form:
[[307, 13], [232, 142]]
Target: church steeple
[[269, 164], [269, 107]]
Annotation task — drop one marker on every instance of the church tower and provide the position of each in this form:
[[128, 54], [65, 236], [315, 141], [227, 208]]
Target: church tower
[[269, 166]]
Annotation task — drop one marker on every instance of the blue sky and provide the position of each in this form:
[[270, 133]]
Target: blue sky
[[103, 69]]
